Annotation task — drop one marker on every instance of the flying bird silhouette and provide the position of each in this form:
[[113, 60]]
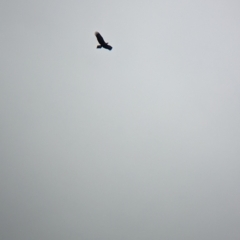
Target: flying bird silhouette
[[102, 42]]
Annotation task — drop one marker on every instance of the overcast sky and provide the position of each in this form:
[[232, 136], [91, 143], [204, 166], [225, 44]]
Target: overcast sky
[[138, 143]]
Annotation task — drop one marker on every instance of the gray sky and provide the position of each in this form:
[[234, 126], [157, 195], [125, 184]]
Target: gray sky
[[142, 142]]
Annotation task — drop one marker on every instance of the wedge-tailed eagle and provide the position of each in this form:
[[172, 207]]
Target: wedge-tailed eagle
[[102, 42]]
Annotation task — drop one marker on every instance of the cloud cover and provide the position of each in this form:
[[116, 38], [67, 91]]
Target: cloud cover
[[138, 143]]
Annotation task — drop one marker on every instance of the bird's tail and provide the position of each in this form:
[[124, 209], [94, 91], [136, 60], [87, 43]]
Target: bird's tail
[[99, 46]]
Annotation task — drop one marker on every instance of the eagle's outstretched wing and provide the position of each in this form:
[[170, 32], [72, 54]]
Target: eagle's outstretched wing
[[108, 47], [99, 38]]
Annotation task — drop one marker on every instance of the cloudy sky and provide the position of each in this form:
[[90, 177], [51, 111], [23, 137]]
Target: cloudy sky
[[138, 143]]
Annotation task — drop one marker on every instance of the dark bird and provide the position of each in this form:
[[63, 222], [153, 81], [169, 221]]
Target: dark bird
[[102, 42]]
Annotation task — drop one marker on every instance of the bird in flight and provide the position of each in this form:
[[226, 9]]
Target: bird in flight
[[102, 42]]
